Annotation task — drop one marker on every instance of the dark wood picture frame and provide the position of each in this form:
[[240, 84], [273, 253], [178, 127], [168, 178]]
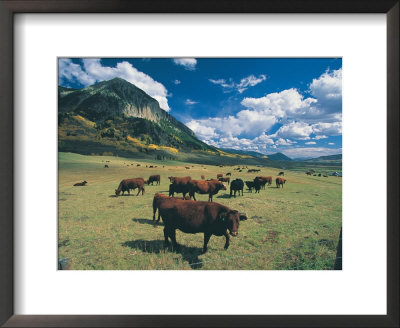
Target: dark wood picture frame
[[10, 7]]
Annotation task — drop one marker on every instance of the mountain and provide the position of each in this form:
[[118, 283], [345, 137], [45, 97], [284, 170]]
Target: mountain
[[117, 117], [279, 157], [326, 159]]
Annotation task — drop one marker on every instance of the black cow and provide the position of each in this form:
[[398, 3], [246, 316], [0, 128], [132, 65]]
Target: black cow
[[236, 185]]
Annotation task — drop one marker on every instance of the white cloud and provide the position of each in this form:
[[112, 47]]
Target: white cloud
[[281, 104], [190, 102], [310, 143], [284, 142], [244, 84], [176, 82], [93, 71], [203, 132], [320, 137], [70, 72], [328, 90], [331, 143], [295, 130], [330, 129], [187, 63]]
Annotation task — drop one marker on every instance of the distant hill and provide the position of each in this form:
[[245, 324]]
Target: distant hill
[[279, 157], [117, 117], [326, 159]]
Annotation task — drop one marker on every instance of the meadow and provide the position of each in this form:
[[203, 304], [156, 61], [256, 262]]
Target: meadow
[[295, 227]]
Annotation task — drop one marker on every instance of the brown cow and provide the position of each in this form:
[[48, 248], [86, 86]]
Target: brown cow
[[106, 165], [205, 187], [229, 173], [280, 182], [203, 177], [154, 178], [179, 185], [158, 198], [225, 180], [194, 217], [128, 184], [81, 183], [179, 180], [219, 175], [263, 181]]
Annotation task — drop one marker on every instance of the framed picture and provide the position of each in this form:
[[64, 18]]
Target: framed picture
[[67, 163]]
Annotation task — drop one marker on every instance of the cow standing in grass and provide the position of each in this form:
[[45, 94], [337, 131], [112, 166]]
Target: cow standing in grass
[[280, 182], [128, 184], [205, 187], [154, 178], [236, 185], [179, 185], [198, 217]]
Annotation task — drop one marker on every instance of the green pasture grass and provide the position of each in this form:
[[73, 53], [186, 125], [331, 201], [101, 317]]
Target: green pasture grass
[[295, 227]]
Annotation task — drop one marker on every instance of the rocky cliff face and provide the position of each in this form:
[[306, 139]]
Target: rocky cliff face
[[115, 97]]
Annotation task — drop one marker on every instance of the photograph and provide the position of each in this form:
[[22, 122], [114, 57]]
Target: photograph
[[199, 163]]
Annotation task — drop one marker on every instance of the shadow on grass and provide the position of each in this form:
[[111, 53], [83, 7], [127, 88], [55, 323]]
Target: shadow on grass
[[189, 254], [126, 195], [147, 221], [223, 196]]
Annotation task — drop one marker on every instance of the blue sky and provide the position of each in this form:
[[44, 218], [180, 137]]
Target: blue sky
[[269, 105]]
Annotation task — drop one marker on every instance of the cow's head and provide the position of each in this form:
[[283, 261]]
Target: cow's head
[[220, 186], [147, 181], [117, 192], [231, 220]]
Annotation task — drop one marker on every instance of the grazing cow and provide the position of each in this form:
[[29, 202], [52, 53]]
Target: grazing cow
[[263, 181], [319, 174], [280, 182], [219, 175], [158, 198], [236, 185], [137, 164], [150, 167], [229, 173], [205, 187], [203, 177], [196, 217], [309, 173], [128, 184], [187, 167], [225, 180], [154, 178], [281, 173], [81, 183], [106, 165]]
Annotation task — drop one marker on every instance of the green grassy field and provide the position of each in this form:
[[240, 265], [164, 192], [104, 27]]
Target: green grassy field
[[296, 227]]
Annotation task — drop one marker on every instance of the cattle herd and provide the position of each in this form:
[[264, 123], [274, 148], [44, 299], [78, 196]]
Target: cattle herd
[[191, 216]]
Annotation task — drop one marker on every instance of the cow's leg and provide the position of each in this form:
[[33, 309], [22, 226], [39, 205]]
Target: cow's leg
[[165, 237], [142, 191], [227, 239], [206, 239], [172, 235], [230, 194], [210, 197]]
